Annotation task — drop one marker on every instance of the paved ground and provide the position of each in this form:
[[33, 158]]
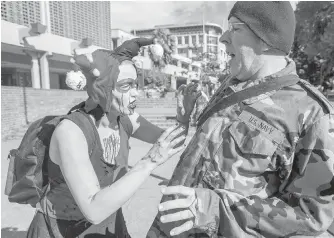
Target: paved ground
[[15, 218], [139, 211]]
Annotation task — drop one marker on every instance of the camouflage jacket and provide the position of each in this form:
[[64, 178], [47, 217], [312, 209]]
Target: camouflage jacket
[[200, 105], [263, 167]]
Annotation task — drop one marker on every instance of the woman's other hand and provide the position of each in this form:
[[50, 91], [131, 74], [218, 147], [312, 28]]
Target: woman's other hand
[[186, 99]]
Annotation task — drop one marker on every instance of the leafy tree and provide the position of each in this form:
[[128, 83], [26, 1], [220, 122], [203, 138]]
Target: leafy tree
[[164, 38], [209, 62], [155, 78], [313, 48], [149, 78]]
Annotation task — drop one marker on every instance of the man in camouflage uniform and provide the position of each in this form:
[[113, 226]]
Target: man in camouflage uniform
[[263, 167]]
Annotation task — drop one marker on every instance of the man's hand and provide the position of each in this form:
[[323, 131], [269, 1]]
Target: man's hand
[[186, 201], [186, 99]]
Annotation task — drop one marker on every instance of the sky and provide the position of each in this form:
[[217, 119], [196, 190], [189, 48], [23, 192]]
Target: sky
[[129, 15]]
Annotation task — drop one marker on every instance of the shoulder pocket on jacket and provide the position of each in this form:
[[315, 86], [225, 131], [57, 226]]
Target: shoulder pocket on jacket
[[250, 140]]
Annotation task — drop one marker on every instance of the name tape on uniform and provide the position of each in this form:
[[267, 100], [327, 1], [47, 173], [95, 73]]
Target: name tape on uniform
[[271, 132]]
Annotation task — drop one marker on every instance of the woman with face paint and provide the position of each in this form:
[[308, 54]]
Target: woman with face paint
[[88, 176]]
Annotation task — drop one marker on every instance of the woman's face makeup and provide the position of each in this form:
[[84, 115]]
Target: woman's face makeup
[[125, 96]]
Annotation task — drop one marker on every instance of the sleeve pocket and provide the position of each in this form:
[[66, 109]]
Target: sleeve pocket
[[250, 140]]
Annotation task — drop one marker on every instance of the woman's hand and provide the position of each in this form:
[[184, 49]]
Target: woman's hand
[[186, 99], [164, 149]]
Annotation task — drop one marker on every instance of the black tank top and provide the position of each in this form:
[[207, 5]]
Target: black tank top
[[59, 202]]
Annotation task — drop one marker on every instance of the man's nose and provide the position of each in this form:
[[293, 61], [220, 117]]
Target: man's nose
[[225, 38]]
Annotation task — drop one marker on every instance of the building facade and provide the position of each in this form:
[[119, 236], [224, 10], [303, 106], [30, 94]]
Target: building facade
[[193, 39], [71, 19], [42, 59], [22, 13], [81, 19]]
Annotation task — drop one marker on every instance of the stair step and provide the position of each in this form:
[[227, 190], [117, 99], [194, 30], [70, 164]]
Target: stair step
[[150, 104], [162, 122], [160, 103], [160, 118], [157, 106]]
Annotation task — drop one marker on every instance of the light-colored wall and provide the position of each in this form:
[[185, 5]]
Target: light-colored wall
[[20, 105], [54, 81], [13, 34]]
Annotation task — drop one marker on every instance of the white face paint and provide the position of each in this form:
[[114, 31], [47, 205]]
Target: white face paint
[[125, 92]]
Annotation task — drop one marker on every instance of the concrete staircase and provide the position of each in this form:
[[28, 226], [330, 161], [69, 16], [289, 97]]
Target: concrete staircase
[[160, 112], [161, 121], [156, 103]]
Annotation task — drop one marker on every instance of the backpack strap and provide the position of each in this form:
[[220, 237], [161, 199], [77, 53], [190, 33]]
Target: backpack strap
[[254, 91], [82, 120]]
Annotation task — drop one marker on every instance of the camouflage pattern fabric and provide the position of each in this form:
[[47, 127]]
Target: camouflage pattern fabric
[[261, 168], [200, 104]]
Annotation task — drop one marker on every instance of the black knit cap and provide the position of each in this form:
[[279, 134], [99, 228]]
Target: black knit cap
[[273, 22]]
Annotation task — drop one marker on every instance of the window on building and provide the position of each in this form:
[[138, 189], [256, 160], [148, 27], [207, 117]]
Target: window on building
[[199, 50], [7, 78], [182, 51], [184, 65], [212, 49], [174, 62], [179, 40], [194, 68], [13, 77], [186, 40], [193, 40], [212, 32], [212, 40], [201, 39]]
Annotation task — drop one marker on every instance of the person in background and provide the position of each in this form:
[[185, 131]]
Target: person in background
[[200, 104]]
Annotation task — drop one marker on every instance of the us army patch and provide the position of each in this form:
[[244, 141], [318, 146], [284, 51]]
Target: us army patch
[[271, 132]]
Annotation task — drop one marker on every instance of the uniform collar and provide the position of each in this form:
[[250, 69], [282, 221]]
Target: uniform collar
[[235, 85]]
